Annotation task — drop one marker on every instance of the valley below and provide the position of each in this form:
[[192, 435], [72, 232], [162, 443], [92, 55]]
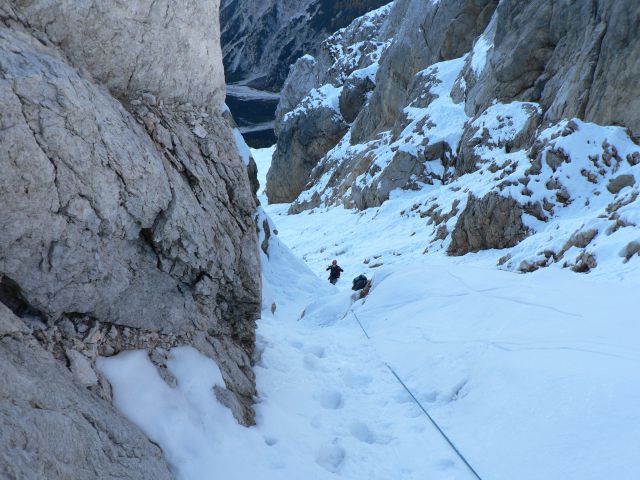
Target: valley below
[[254, 113]]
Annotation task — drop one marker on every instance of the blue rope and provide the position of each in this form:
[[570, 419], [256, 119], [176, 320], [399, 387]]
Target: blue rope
[[424, 410]]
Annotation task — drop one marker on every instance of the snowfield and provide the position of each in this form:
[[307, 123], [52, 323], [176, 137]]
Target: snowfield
[[531, 376]]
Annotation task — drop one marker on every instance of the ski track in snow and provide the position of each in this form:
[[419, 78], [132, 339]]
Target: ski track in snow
[[532, 376], [510, 299]]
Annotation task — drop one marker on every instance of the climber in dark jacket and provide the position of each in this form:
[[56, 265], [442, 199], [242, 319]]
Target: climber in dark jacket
[[335, 272]]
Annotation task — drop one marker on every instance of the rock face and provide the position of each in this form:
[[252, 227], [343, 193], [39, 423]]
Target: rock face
[[306, 138], [444, 30], [52, 427], [261, 40], [141, 46], [577, 59], [128, 216], [490, 222], [466, 103], [374, 63], [322, 104]]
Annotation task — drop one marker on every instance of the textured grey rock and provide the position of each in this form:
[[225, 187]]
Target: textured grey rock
[[445, 30], [621, 181], [305, 75], [631, 249], [261, 40], [130, 223], [337, 58], [81, 369], [308, 124], [511, 138], [428, 32], [402, 167], [577, 59], [139, 46], [305, 138], [492, 221], [580, 239], [354, 96], [52, 427], [493, 123]]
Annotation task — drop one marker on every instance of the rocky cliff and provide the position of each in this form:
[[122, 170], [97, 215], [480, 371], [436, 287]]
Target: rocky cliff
[[514, 119], [261, 40], [127, 220]]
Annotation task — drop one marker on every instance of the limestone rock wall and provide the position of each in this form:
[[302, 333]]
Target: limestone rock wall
[[166, 47], [128, 217], [428, 32], [577, 59], [319, 99], [52, 427]]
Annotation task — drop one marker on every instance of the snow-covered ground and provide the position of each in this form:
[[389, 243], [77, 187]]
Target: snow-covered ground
[[531, 376]]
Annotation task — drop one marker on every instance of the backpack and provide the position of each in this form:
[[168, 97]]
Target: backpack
[[359, 282]]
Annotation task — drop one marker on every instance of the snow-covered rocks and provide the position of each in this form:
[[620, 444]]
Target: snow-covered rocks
[[308, 134], [573, 59], [482, 350], [318, 100], [423, 127], [53, 426]]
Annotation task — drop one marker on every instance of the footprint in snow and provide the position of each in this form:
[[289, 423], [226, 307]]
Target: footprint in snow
[[296, 344], [270, 441], [330, 457], [356, 380], [445, 464], [316, 350], [331, 400], [362, 432], [311, 362]]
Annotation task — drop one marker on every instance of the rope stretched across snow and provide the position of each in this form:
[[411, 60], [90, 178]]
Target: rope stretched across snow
[[424, 410]]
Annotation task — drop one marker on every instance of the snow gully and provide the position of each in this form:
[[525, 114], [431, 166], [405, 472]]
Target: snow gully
[[421, 407]]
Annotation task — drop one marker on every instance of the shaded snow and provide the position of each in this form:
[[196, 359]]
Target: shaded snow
[[325, 96]]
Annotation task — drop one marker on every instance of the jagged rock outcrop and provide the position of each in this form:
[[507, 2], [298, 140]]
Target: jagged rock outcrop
[[128, 215], [444, 30], [577, 59], [261, 40], [387, 81], [354, 96], [492, 221], [141, 46], [305, 139], [475, 122], [53, 427], [327, 91]]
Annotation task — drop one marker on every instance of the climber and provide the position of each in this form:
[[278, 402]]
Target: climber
[[335, 272]]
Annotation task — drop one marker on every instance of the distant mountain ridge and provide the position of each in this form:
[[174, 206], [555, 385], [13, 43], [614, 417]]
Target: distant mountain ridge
[[261, 40]]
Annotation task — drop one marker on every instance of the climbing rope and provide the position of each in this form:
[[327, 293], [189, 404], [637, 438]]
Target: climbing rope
[[424, 410]]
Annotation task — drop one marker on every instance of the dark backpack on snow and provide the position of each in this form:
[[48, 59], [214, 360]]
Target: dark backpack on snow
[[359, 282]]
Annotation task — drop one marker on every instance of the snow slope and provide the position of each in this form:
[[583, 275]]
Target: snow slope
[[531, 376]]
